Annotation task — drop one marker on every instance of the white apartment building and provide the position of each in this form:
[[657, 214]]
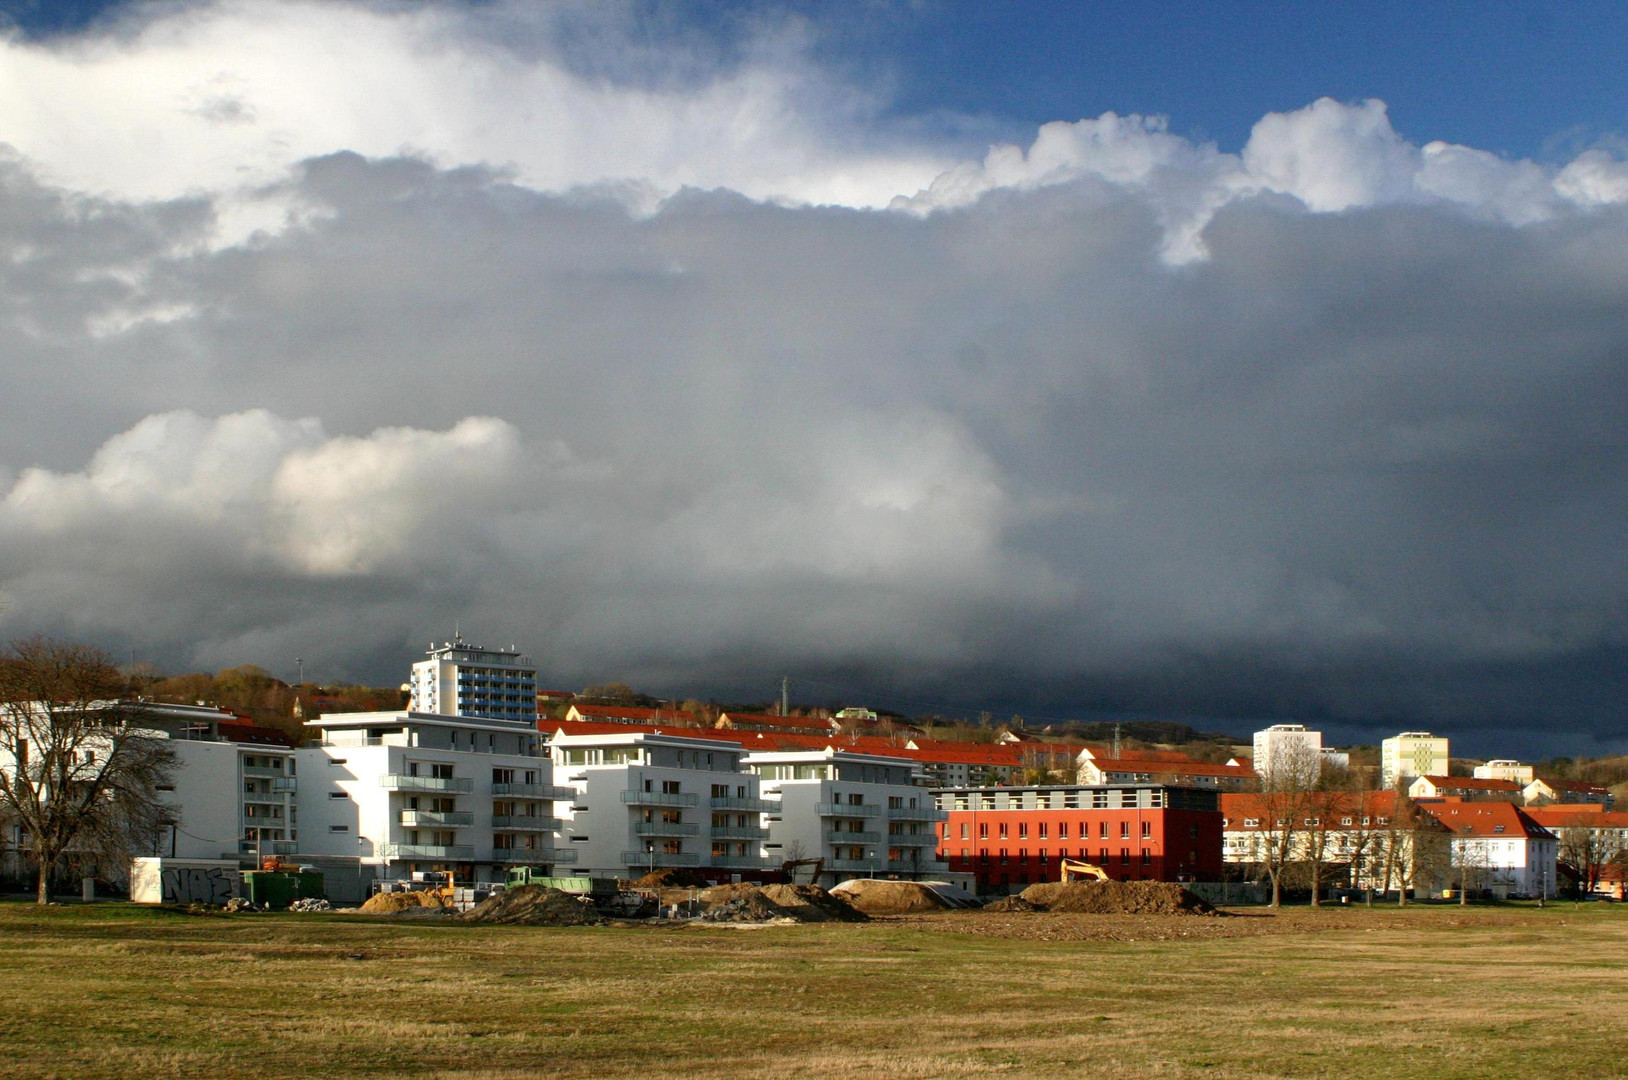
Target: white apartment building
[[1410, 755], [865, 815], [1289, 746], [407, 792], [1498, 848], [460, 679], [1499, 769], [642, 801]]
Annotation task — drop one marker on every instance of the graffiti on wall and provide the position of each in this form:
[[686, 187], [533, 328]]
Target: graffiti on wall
[[199, 885]]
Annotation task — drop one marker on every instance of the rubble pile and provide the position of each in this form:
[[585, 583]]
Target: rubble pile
[[533, 905], [1116, 898], [878, 897], [394, 903]]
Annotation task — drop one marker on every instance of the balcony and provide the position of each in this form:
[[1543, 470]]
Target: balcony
[[926, 866], [268, 847], [535, 791], [853, 837], [658, 859], [530, 856], [916, 813], [458, 784], [263, 770], [846, 810], [437, 817], [268, 798], [752, 805], [862, 865], [739, 832], [463, 852], [525, 823], [924, 839], [562, 856], [665, 828], [659, 798], [736, 862], [285, 785]]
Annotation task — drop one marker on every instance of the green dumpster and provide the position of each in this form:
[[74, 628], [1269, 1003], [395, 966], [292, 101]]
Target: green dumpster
[[269, 889]]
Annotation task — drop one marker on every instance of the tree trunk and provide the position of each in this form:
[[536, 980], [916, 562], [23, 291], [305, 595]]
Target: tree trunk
[[1277, 892], [42, 894]]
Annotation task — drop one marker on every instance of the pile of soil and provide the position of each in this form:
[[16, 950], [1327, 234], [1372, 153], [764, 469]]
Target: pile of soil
[[394, 903], [1116, 898], [533, 905], [875, 897], [764, 903], [672, 878], [1010, 903]]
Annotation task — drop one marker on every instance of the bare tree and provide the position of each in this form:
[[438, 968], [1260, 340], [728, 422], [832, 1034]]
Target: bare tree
[[1288, 793], [1589, 850], [77, 775]]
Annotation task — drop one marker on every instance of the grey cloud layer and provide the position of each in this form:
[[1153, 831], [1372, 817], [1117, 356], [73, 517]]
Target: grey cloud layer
[[1358, 465]]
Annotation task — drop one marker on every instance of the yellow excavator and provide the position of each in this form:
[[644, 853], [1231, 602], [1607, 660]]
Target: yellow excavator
[[1074, 870]]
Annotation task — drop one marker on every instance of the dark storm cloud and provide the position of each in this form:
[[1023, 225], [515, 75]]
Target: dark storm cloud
[[1361, 467]]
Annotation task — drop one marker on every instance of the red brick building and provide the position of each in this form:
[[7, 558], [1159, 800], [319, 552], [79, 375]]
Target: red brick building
[[1008, 838]]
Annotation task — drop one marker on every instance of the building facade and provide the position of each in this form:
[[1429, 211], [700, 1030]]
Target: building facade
[[864, 815], [408, 792], [1412, 754], [1283, 750], [459, 679], [1009, 838], [640, 801]]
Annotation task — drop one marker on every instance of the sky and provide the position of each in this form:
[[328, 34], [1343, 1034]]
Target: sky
[[1093, 361]]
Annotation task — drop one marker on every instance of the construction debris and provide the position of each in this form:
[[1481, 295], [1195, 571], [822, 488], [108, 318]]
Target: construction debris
[[671, 878], [1010, 903], [310, 903], [882, 897], [1116, 898], [533, 905], [774, 903], [394, 903]]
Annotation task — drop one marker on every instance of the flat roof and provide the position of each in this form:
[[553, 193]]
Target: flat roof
[[406, 717]]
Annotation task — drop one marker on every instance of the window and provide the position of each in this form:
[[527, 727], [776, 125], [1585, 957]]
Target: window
[[1252, 822], [336, 761], [338, 828], [1147, 829], [1023, 830], [337, 795], [1124, 830], [1345, 821], [1102, 830], [1003, 830], [1043, 828], [1147, 858], [1062, 830], [965, 829]]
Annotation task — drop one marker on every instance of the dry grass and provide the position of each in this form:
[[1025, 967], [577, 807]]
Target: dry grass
[[114, 991]]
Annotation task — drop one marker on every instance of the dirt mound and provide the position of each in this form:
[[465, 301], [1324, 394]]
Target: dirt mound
[[762, 903], [889, 897], [1010, 903], [533, 905], [671, 878], [393, 903], [1116, 898]]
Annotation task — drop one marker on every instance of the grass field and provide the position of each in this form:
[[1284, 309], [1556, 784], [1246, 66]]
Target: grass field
[[117, 991]]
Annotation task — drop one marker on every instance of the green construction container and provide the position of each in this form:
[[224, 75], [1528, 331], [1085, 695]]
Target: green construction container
[[269, 888], [311, 885]]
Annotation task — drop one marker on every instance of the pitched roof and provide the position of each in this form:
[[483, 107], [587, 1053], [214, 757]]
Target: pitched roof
[[1237, 807], [1473, 783], [1486, 819], [771, 722], [633, 714], [1577, 815]]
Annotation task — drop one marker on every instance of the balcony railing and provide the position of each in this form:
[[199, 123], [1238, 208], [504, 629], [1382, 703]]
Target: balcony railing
[[263, 770], [739, 832], [665, 828], [397, 782], [426, 851], [563, 856], [437, 817], [719, 802], [660, 798], [268, 847], [917, 813], [659, 859], [926, 866], [269, 798], [852, 837], [853, 864], [523, 855], [925, 839], [550, 792], [736, 862], [525, 823], [284, 784], [847, 810]]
